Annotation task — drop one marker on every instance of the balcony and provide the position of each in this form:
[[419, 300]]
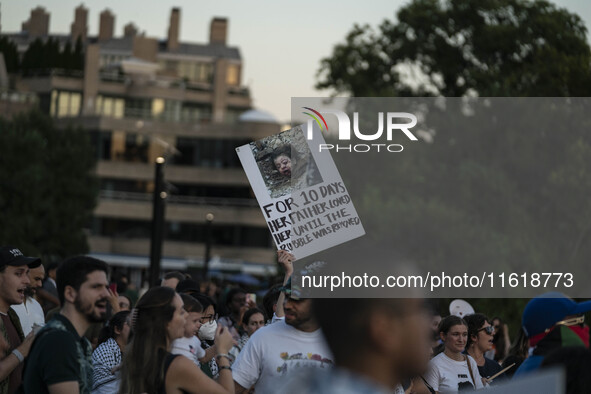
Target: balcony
[[173, 173], [182, 250], [184, 209]]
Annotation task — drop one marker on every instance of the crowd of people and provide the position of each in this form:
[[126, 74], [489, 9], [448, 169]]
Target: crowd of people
[[65, 329]]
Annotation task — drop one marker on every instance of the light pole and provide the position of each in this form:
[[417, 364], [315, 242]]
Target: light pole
[[157, 222], [208, 220]]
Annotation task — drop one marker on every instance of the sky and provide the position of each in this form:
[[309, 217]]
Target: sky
[[282, 42]]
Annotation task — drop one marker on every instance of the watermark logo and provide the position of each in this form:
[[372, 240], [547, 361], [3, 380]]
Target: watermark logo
[[389, 122], [318, 115]]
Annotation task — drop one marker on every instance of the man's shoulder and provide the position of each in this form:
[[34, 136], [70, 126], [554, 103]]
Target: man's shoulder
[[34, 303], [278, 328], [57, 332]]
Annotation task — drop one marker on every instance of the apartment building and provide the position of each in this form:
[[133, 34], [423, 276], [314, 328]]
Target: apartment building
[[140, 98]]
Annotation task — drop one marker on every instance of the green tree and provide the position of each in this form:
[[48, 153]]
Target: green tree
[[491, 196], [48, 189], [493, 47], [9, 50], [78, 55]]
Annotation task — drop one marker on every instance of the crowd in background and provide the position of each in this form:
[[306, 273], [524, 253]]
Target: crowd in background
[[74, 328]]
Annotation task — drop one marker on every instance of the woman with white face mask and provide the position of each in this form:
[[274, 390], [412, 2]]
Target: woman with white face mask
[[206, 335]]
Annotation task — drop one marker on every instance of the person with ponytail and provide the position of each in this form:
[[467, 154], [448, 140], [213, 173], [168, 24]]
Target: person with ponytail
[[149, 366], [106, 359]]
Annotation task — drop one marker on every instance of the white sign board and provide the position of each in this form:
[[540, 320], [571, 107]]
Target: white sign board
[[300, 191]]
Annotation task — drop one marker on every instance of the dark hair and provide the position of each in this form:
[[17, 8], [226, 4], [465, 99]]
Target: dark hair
[[143, 364], [346, 333], [231, 293], [500, 340], [520, 346], [128, 299], [577, 362], [270, 299], [475, 323], [432, 306], [248, 314], [35, 264], [188, 286], [116, 322], [205, 301], [448, 322], [191, 304], [175, 274], [74, 271], [52, 266], [284, 150]]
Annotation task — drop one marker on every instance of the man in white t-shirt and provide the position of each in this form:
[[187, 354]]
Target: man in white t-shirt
[[447, 375], [281, 348], [30, 311]]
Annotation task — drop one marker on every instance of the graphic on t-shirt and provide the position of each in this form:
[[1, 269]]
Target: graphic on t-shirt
[[465, 385], [300, 360]]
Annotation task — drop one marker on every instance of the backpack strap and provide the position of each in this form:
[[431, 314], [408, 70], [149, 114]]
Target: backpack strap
[[470, 369]]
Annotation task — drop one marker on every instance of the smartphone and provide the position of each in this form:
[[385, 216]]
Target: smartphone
[[113, 287], [251, 297]]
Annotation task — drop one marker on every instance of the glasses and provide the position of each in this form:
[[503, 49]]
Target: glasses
[[488, 329], [573, 321], [208, 319]]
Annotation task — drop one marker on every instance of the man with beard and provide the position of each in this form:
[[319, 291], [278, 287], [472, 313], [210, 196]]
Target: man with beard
[[281, 348], [61, 357], [30, 311], [13, 347]]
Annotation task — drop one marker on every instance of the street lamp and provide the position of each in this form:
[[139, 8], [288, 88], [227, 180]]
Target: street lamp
[[208, 220], [157, 222]]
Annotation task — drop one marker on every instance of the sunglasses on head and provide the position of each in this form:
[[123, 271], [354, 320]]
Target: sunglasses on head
[[573, 321], [488, 329]]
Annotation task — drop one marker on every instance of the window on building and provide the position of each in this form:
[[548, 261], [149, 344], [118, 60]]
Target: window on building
[[110, 106], [101, 141], [193, 71], [65, 104], [231, 115], [130, 147], [166, 110], [233, 74], [208, 152], [195, 113]]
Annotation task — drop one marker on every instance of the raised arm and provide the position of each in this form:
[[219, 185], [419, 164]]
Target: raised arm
[[286, 259]]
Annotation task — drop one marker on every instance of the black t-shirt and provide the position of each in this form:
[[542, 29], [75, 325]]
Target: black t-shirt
[[489, 368], [54, 358]]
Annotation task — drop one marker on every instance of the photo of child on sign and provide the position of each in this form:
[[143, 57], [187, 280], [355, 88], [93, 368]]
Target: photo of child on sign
[[285, 162]]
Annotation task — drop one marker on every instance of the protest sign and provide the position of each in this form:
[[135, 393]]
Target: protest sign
[[300, 191]]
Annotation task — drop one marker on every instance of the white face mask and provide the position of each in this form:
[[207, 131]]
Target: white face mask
[[207, 331]]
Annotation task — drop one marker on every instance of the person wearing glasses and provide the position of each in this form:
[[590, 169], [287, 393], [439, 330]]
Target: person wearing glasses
[[552, 321], [452, 370], [480, 341], [206, 334]]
